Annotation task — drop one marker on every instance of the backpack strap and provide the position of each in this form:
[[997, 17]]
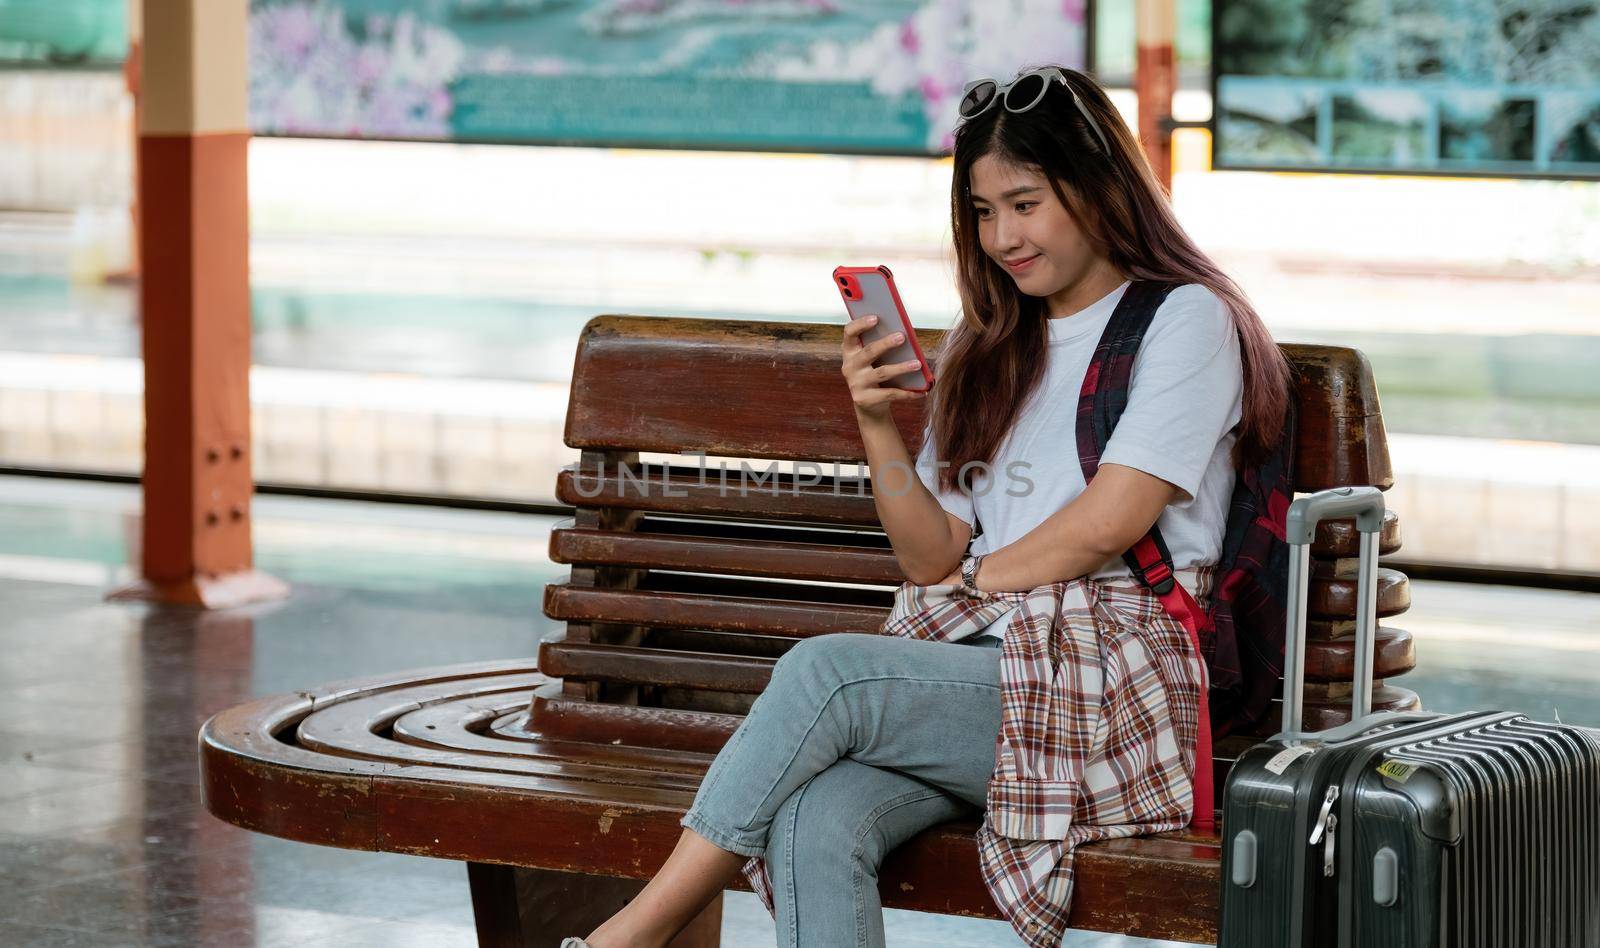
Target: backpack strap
[[1106, 384]]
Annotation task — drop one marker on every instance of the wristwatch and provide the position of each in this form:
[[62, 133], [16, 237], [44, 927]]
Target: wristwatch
[[969, 574]]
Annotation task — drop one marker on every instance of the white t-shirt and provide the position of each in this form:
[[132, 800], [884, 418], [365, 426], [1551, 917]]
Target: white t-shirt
[[1184, 399]]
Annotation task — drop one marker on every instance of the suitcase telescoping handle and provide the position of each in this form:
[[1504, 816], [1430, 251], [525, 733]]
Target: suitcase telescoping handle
[[1366, 505]]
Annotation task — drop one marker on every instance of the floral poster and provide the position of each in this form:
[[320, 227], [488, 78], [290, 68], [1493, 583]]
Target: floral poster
[[871, 76]]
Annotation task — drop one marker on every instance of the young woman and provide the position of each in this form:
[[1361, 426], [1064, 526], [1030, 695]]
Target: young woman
[[861, 741]]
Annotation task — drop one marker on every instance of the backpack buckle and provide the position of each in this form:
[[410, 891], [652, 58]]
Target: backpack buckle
[[1158, 577]]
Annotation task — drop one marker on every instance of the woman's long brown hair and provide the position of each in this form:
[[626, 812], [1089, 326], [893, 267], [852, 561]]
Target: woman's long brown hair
[[993, 359]]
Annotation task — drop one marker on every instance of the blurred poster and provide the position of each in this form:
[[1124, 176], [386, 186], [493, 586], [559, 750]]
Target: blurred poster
[[63, 33], [1489, 87], [871, 76]]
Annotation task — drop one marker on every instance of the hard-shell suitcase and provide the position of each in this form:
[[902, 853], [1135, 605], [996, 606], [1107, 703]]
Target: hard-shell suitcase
[[1406, 829], [1487, 834]]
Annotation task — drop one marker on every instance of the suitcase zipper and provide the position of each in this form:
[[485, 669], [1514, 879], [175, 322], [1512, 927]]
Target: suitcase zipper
[[1323, 830]]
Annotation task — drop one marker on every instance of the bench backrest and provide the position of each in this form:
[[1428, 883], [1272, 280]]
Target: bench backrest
[[683, 592]]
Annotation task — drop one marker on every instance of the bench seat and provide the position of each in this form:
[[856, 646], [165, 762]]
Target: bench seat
[[447, 762]]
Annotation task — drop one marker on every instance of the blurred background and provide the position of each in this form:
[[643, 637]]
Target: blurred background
[[416, 303], [442, 192]]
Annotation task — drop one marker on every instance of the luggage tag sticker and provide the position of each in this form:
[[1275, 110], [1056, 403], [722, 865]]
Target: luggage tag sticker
[[1396, 771], [1282, 759]]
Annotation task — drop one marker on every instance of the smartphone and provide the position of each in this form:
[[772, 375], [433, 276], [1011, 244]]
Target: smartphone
[[870, 291]]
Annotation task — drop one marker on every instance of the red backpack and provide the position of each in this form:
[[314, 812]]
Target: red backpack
[[1240, 631]]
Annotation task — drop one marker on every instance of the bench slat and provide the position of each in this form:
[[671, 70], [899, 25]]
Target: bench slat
[[1335, 598], [458, 726], [782, 560], [1335, 660], [1340, 439], [690, 366], [852, 537], [718, 613], [701, 731], [585, 661], [676, 489], [1338, 539], [726, 643], [798, 592]]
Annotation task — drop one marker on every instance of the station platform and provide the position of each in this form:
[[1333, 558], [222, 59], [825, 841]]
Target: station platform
[[103, 840]]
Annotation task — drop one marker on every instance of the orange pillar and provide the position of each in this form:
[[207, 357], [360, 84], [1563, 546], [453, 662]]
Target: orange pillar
[[1155, 79], [194, 302]]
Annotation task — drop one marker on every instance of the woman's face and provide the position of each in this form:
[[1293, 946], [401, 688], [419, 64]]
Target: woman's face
[[1020, 220]]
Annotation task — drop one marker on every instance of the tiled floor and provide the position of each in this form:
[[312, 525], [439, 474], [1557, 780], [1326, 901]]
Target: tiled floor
[[102, 837]]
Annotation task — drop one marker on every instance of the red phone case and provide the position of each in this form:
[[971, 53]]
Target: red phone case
[[877, 332]]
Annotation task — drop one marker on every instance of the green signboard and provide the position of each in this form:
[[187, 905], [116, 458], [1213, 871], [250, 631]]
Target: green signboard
[[63, 33], [1475, 87], [870, 76]]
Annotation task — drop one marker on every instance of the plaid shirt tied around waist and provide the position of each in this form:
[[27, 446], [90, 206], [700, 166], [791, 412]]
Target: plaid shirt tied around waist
[[1099, 692]]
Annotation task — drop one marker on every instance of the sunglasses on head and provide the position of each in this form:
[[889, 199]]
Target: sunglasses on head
[[1020, 95]]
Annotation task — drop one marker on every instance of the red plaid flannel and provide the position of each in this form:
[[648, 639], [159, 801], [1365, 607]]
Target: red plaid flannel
[[1099, 693]]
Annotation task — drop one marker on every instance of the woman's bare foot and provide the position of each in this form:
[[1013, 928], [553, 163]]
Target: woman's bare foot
[[691, 877]]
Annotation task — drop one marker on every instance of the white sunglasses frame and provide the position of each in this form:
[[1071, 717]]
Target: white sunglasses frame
[[1001, 91]]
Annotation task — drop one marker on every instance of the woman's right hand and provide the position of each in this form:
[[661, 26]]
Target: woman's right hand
[[872, 398]]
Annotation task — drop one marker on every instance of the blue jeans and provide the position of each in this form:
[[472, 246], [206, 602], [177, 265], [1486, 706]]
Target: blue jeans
[[859, 742]]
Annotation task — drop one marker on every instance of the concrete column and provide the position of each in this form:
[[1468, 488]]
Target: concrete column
[[194, 303], [1155, 80], [132, 69]]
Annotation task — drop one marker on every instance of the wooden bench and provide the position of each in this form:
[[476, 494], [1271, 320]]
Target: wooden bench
[[560, 782]]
